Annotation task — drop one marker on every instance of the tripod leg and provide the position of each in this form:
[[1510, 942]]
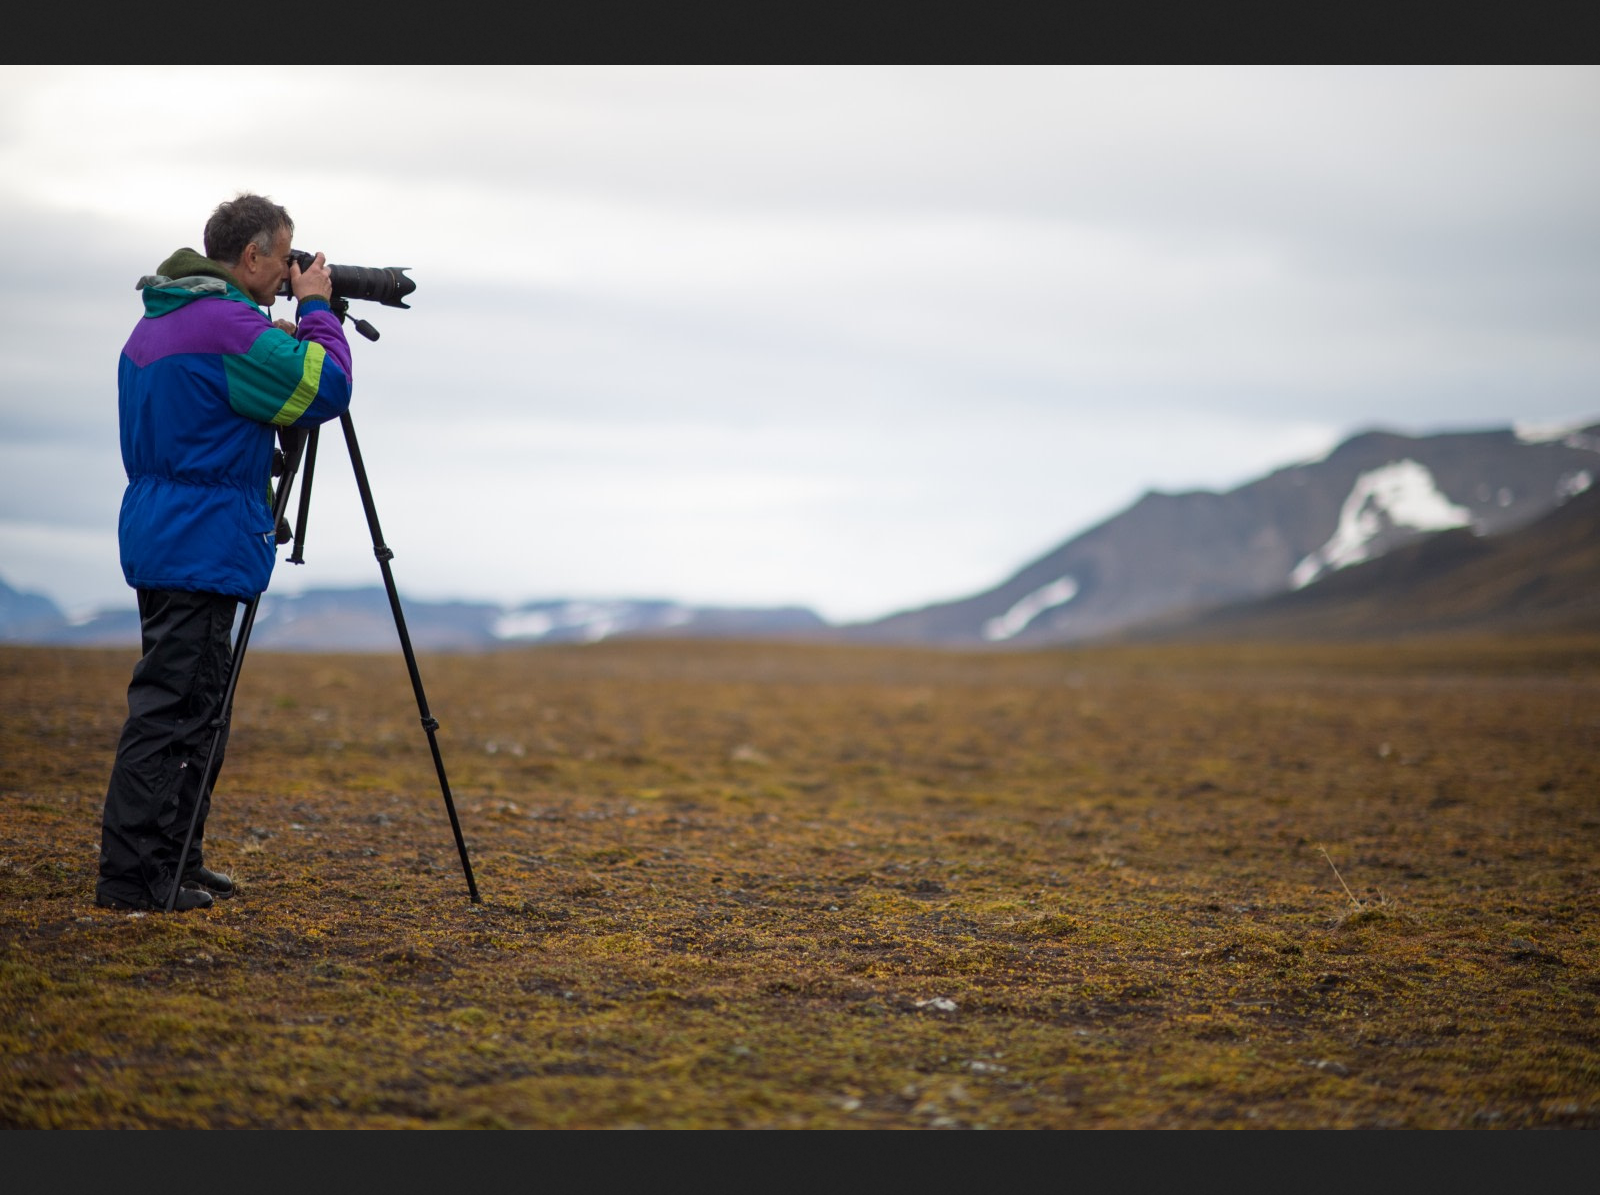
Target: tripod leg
[[298, 556], [429, 723], [279, 505]]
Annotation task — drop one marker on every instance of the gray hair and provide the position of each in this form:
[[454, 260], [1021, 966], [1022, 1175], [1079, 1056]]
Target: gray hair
[[244, 220]]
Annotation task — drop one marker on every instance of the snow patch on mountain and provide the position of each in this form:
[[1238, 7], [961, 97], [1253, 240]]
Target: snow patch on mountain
[[588, 622], [1572, 433], [1046, 597], [523, 624], [1400, 494], [1570, 485]]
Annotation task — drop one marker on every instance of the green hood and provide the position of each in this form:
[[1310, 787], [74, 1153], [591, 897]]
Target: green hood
[[185, 277]]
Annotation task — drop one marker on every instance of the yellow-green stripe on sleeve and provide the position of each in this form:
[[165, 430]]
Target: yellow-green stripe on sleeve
[[310, 379]]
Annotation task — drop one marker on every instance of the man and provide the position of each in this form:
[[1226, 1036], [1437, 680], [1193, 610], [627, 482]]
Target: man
[[204, 383]]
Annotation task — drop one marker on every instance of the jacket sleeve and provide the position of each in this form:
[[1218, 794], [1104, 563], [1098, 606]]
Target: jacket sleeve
[[294, 380]]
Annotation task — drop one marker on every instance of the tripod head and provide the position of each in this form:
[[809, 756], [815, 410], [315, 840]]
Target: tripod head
[[341, 308]]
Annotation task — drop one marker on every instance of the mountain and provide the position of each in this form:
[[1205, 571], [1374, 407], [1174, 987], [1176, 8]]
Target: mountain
[[1171, 553], [24, 617], [1540, 578], [361, 620]]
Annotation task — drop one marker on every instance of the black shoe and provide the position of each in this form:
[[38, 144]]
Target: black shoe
[[214, 882], [188, 898]]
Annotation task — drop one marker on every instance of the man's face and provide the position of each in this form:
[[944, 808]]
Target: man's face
[[261, 274]]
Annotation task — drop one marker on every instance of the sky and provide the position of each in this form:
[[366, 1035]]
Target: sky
[[853, 338]]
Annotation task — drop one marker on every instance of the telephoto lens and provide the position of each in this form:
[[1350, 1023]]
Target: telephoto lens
[[386, 284]]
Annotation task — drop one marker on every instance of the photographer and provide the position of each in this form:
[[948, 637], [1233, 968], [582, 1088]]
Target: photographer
[[203, 384]]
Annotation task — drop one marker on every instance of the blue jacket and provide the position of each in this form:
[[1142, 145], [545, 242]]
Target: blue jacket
[[203, 383]]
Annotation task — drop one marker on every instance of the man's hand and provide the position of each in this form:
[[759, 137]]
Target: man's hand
[[315, 282], [288, 326]]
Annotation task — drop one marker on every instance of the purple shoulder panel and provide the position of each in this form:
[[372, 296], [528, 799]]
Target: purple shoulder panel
[[209, 325]]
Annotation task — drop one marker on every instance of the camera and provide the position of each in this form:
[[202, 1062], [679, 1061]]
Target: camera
[[387, 285]]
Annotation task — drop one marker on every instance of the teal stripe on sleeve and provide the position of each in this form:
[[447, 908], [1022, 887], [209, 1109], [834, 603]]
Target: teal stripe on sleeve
[[275, 381], [255, 390]]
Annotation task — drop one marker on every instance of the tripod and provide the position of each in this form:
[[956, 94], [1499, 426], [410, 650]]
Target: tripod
[[297, 445]]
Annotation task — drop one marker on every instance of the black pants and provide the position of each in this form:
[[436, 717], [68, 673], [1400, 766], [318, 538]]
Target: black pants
[[176, 693]]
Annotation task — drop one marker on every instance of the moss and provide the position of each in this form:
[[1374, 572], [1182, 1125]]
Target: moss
[[757, 886]]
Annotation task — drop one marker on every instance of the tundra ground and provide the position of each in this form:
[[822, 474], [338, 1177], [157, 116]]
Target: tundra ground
[[737, 885]]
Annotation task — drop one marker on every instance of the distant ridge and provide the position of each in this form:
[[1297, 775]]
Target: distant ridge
[[361, 620], [1167, 560], [24, 617]]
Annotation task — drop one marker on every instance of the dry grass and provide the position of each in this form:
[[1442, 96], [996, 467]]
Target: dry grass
[[764, 886]]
